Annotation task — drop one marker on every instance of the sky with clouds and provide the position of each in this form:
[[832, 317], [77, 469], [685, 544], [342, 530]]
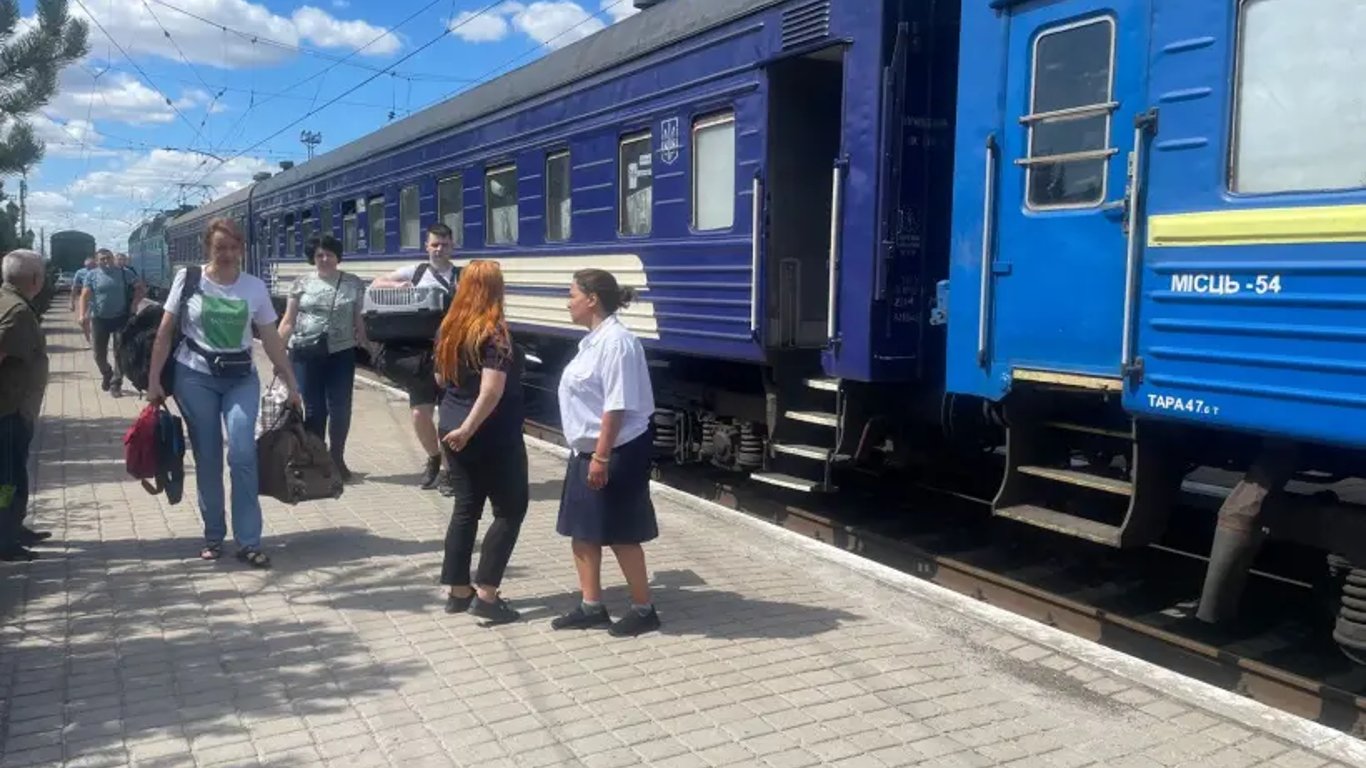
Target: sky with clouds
[[179, 93]]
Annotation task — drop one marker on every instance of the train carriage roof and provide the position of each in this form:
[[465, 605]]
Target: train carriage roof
[[650, 30]]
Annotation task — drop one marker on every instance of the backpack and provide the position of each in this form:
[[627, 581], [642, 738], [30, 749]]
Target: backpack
[[154, 449], [293, 464], [134, 351], [140, 445]]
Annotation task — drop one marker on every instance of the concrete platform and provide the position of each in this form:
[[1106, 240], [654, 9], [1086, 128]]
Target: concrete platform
[[119, 647]]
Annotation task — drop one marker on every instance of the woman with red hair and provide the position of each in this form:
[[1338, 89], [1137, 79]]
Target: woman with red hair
[[480, 418]]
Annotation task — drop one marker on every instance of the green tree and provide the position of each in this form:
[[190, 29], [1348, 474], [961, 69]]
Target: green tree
[[30, 61]]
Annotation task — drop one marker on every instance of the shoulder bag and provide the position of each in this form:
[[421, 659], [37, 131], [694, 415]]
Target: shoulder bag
[[317, 348]]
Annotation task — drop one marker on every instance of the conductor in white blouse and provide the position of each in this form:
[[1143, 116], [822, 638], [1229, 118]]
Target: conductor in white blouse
[[606, 402]]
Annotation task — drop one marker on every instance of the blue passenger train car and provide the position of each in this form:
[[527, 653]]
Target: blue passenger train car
[[1156, 264], [1147, 214]]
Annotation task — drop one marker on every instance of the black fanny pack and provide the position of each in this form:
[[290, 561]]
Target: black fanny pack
[[228, 365]]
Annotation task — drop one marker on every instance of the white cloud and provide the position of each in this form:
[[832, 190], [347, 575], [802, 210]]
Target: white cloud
[[618, 9], [48, 204], [481, 27], [153, 176], [137, 30], [120, 97], [321, 28], [341, 3], [555, 23], [70, 138]]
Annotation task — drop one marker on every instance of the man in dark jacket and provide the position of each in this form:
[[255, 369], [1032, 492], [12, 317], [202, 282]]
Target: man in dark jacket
[[23, 378]]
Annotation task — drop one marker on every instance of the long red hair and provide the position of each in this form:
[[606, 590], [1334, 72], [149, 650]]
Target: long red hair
[[475, 317]]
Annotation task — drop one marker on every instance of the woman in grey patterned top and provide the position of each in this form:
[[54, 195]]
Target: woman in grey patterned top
[[322, 326]]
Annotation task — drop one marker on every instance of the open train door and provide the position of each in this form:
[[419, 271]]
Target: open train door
[[805, 124], [1056, 289]]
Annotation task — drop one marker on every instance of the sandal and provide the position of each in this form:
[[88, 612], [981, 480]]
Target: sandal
[[211, 552], [254, 557]]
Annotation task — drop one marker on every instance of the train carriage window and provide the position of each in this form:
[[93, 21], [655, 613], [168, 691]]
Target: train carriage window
[[375, 207], [1300, 110], [350, 227], [558, 208], [713, 174], [450, 206], [291, 250], [410, 228], [325, 218], [635, 199], [1069, 119], [500, 205]]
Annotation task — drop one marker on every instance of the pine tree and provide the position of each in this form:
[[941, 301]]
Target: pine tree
[[30, 61]]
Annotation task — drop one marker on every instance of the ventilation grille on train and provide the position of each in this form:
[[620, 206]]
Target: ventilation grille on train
[[806, 23]]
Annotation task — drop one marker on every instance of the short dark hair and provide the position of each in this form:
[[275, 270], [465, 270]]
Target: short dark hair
[[601, 283], [441, 230], [326, 242]]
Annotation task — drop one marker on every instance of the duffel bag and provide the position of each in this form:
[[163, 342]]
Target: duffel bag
[[294, 464]]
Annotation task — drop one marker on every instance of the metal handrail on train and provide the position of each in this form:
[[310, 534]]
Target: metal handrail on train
[[836, 214], [1142, 124], [754, 255], [988, 207]]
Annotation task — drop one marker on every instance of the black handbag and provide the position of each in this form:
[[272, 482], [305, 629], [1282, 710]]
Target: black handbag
[[317, 348]]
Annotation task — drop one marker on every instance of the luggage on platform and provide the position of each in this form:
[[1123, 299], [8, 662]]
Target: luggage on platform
[[293, 464]]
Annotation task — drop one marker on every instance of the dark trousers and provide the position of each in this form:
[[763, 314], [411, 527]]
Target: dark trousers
[[478, 473], [15, 436], [106, 330], [326, 384]]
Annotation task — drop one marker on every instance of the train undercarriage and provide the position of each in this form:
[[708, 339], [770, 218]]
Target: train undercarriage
[[1062, 458]]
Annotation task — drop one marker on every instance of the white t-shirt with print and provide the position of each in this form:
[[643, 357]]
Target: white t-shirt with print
[[218, 317], [428, 277]]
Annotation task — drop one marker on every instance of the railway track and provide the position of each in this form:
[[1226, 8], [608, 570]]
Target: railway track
[[1136, 602]]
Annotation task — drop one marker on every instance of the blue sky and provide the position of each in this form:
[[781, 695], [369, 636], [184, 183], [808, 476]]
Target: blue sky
[[117, 151]]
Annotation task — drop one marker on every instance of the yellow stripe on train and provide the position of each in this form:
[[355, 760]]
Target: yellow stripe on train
[[1259, 226]]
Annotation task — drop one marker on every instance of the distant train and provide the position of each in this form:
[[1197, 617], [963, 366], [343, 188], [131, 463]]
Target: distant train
[[68, 250], [1117, 239], [149, 253]]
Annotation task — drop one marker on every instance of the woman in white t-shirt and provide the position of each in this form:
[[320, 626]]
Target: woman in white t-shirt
[[215, 382]]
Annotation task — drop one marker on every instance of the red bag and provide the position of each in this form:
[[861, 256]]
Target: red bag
[[140, 445]]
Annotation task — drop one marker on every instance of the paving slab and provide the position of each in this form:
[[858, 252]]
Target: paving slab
[[120, 647]]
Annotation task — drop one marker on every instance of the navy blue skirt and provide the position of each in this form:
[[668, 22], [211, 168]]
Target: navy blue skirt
[[620, 513]]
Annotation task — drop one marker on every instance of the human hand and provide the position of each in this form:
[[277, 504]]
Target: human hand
[[457, 439], [154, 393], [85, 327], [597, 475]]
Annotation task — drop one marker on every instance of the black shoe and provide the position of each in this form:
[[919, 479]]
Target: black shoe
[[496, 612], [429, 474], [105, 380], [17, 554], [443, 484], [29, 537], [459, 604], [581, 619], [344, 471], [633, 623]]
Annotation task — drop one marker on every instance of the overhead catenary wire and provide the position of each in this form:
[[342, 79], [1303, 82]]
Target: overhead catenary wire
[[438, 38], [305, 50], [150, 83]]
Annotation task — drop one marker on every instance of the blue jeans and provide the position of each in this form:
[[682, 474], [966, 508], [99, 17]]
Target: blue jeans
[[326, 385], [207, 402]]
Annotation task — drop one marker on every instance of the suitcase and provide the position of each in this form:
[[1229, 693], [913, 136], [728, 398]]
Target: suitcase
[[403, 314]]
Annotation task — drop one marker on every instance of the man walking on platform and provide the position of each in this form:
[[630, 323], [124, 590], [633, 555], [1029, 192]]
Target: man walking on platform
[[106, 301], [438, 272], [23, 378], [78, 282]]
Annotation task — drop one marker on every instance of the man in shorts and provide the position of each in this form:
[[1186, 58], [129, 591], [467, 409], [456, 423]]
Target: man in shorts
[[438, 272]]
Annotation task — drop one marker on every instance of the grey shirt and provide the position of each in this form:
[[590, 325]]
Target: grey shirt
[[325, 307]]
